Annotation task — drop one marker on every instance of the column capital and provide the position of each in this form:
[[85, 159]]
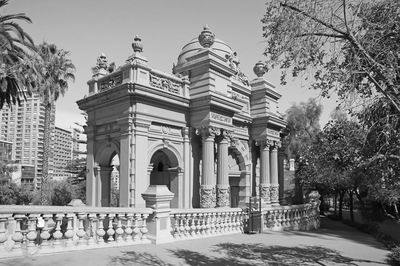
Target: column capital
[[208, 132], [264, 143], [277, 144]]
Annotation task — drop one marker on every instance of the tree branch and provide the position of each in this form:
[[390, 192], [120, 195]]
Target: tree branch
[[321, 34], [330, 26]]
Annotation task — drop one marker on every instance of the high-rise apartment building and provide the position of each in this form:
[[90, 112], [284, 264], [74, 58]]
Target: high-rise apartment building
[[24, 127], [5, 150], [63, 145]]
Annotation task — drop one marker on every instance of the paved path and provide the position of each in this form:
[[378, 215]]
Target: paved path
[[334, 244]]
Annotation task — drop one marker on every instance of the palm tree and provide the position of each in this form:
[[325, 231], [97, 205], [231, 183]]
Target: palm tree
[[56, 71], [17, 72]]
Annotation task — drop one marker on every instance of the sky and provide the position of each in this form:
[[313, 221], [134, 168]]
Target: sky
[[88, 28]]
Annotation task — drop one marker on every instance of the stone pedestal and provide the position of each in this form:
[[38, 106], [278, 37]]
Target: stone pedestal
[[158, 197]]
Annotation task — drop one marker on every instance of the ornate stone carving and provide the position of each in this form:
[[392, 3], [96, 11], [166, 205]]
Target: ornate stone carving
[[265, 192], [233, 61], [207, 196], [101, 65], [264, 142], [208, 132], [137, 45], [223, 196], [274, 193], [165, 84], [277, 144], [206, 37], [227, 134], [259, 69], [111, 82]]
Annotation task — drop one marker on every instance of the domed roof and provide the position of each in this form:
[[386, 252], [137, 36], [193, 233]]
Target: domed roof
[[219, 47]]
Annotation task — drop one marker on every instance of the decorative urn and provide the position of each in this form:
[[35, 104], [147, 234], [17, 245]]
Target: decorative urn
[[259, 69], [206, 37]]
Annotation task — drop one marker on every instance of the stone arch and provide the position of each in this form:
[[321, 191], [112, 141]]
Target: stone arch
[[165, 169], [239, 173], [105, 152]]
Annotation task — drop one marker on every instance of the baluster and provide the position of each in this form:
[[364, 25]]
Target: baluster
[[283, 219], [69, 234], [57, 235], [222, 222], [206, 224], [3, 221], [144, 229], [187, 226], [217, 223], [100, 231], [17, 237], [230, 216], [110, 230], [175, 231], [81, 229], [119, 232], [32, 234], [192, 225], [128, 228], [91, 230], [200, 222], [45, 234], [136, 228], [181, 226]]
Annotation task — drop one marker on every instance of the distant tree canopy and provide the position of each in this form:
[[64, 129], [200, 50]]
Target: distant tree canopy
[[303, 125], [345, 46]]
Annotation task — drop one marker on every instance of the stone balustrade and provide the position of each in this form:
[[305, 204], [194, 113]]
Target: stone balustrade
[[200, 223], [295, 217], [48, 229]]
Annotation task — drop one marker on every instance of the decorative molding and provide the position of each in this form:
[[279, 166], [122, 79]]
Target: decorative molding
[[272, 132], [165, 84], [221, 118], [111, 82]]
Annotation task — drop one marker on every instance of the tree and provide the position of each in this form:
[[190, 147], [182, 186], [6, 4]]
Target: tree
[[347, 46], [17, 69], [332, 162], [56, 71], [303, 125]]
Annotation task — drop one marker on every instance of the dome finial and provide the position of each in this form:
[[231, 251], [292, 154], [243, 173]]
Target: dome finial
[[137, 44], [259, 69], [206, 37]]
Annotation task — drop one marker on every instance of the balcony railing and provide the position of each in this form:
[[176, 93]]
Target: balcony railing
[[200, 223], [45, 229]]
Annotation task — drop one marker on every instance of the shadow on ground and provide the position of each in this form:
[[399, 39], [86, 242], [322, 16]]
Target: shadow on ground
[[246, 254]]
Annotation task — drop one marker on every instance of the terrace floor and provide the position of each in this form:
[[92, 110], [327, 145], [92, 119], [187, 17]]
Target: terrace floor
[[334, 244]]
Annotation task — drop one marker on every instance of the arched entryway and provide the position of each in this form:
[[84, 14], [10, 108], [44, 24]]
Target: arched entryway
[[107, 176], [239, 177], [165, 170]]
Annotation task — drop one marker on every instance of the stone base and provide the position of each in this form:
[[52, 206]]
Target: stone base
[[223, 193], [207, 196], [274, 195], [265, 193]]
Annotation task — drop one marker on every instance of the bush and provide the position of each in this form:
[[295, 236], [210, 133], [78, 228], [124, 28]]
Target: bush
[[395, 255]]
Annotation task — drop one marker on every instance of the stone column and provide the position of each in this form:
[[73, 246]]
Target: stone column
[[207, 187], [90, 166], [222, 171], [281, 176], [274, 174], [105, 175], [265, 181]]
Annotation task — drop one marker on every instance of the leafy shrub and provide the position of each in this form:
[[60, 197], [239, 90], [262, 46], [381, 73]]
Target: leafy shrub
[[395, 255]]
